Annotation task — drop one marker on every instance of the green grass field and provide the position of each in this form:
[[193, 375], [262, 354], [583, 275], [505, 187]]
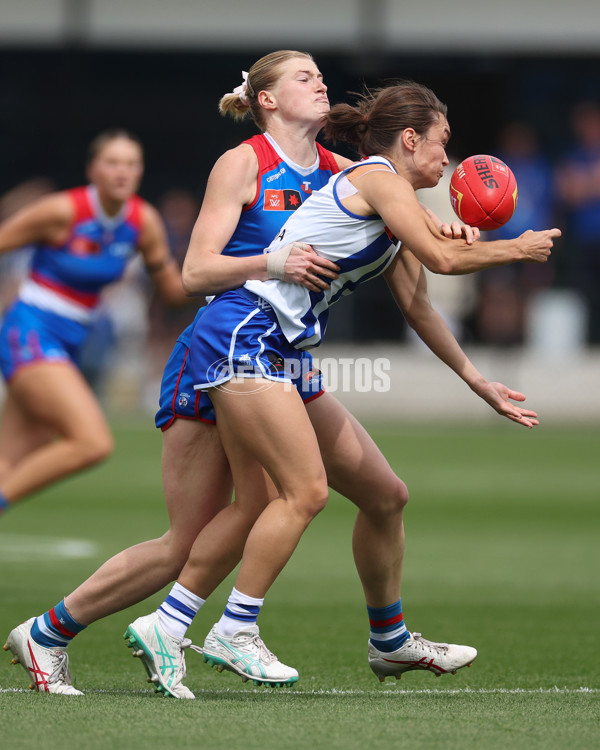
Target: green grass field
[[502, 554]]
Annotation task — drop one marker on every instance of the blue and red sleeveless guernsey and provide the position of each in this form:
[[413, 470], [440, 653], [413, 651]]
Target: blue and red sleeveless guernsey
[[68, 279], [281, 187]]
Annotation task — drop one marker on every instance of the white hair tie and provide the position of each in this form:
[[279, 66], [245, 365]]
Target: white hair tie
[[244, 90]]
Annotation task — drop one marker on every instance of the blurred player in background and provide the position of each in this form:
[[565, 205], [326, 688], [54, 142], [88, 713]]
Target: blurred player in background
[[52, 425]]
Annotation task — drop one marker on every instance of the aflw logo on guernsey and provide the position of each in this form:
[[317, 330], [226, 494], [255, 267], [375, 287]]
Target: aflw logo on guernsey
[[282, 200]]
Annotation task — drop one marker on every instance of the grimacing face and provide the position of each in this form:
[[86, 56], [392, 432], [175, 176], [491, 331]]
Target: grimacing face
[[430, 153], [300, 92]]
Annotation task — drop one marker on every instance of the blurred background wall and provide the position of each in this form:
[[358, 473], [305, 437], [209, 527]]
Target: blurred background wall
[[521, 81]]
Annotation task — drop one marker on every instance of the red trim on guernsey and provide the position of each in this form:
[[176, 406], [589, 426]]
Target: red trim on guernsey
[[81, 200], [268, 159], [87, 299], [58, 625], [385, 623], [134, 214], [327, 159]]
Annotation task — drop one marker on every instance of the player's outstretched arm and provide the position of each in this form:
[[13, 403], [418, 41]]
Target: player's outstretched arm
[[408, 284], [497, 396]]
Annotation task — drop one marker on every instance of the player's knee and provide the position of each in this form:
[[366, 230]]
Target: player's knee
[[393, 501], [315, 496], [175, 551], [96, 449]]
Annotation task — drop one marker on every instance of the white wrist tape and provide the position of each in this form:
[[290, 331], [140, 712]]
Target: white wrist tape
[[276, 262]]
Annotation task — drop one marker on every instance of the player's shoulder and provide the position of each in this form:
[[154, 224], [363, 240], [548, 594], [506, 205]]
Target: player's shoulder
[[341, 161], [57, 207], [235, 164]]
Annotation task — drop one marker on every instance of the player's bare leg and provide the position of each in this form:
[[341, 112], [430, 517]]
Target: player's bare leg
[[64, 408], [282, 441], [358, 470], [197, 485]]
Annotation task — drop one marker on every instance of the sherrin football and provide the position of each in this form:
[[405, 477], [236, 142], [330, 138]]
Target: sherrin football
[[483, 192]]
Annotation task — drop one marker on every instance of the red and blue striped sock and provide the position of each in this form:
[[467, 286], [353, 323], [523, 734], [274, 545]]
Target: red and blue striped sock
[[388, 631], [55, 628]]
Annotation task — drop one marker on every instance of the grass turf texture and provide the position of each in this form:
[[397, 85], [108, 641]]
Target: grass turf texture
[[501, 554]]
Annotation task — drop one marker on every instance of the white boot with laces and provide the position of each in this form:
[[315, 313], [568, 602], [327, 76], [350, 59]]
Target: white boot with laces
[[418, 653], [47, 667]]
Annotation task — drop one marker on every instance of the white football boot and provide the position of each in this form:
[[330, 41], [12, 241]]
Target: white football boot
[[245, 654], [418, 653], [161, 654], [48, 667]]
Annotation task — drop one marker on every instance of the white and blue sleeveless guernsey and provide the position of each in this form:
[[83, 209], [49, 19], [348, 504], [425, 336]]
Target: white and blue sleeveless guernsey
[[261, 329], [360, 245]]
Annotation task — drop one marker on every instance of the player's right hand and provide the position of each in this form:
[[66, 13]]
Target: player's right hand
[[536, 246], [304, 266]]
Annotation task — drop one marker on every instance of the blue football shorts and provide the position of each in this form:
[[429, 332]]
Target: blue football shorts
[[201, 356], [30, 335]]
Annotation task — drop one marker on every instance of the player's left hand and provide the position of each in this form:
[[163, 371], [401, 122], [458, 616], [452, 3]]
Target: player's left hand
[[458, 231], [498, 395]]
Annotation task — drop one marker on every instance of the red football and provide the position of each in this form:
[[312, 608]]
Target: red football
[[483, 192]]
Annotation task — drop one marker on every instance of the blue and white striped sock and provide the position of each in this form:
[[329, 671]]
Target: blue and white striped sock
[[4, 504], [241, 611], [178, 610], [388, 631], [55, 628]]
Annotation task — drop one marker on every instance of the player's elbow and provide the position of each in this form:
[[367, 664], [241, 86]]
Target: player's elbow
[[443, 264], [192, 282]]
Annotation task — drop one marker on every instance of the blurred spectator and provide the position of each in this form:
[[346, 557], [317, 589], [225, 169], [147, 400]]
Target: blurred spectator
[[578, 186], [503, 292]]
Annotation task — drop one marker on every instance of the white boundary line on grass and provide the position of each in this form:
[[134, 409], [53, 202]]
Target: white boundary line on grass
[[265, 691], [30, 548]]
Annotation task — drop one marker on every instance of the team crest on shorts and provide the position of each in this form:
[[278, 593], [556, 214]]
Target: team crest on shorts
[[183, 399]]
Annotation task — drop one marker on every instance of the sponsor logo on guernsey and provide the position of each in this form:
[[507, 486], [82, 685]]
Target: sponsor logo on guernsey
[[282, 200], [306, 187], [120, 249], [82, 246], [277, 175]]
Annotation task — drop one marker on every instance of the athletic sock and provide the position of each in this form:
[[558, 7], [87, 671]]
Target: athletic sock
[[4, 504], [388, 631], [55, 628], [178, 610], [241, 611]]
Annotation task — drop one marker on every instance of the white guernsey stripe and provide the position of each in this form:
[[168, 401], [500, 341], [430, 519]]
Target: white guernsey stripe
[[34, 294]]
